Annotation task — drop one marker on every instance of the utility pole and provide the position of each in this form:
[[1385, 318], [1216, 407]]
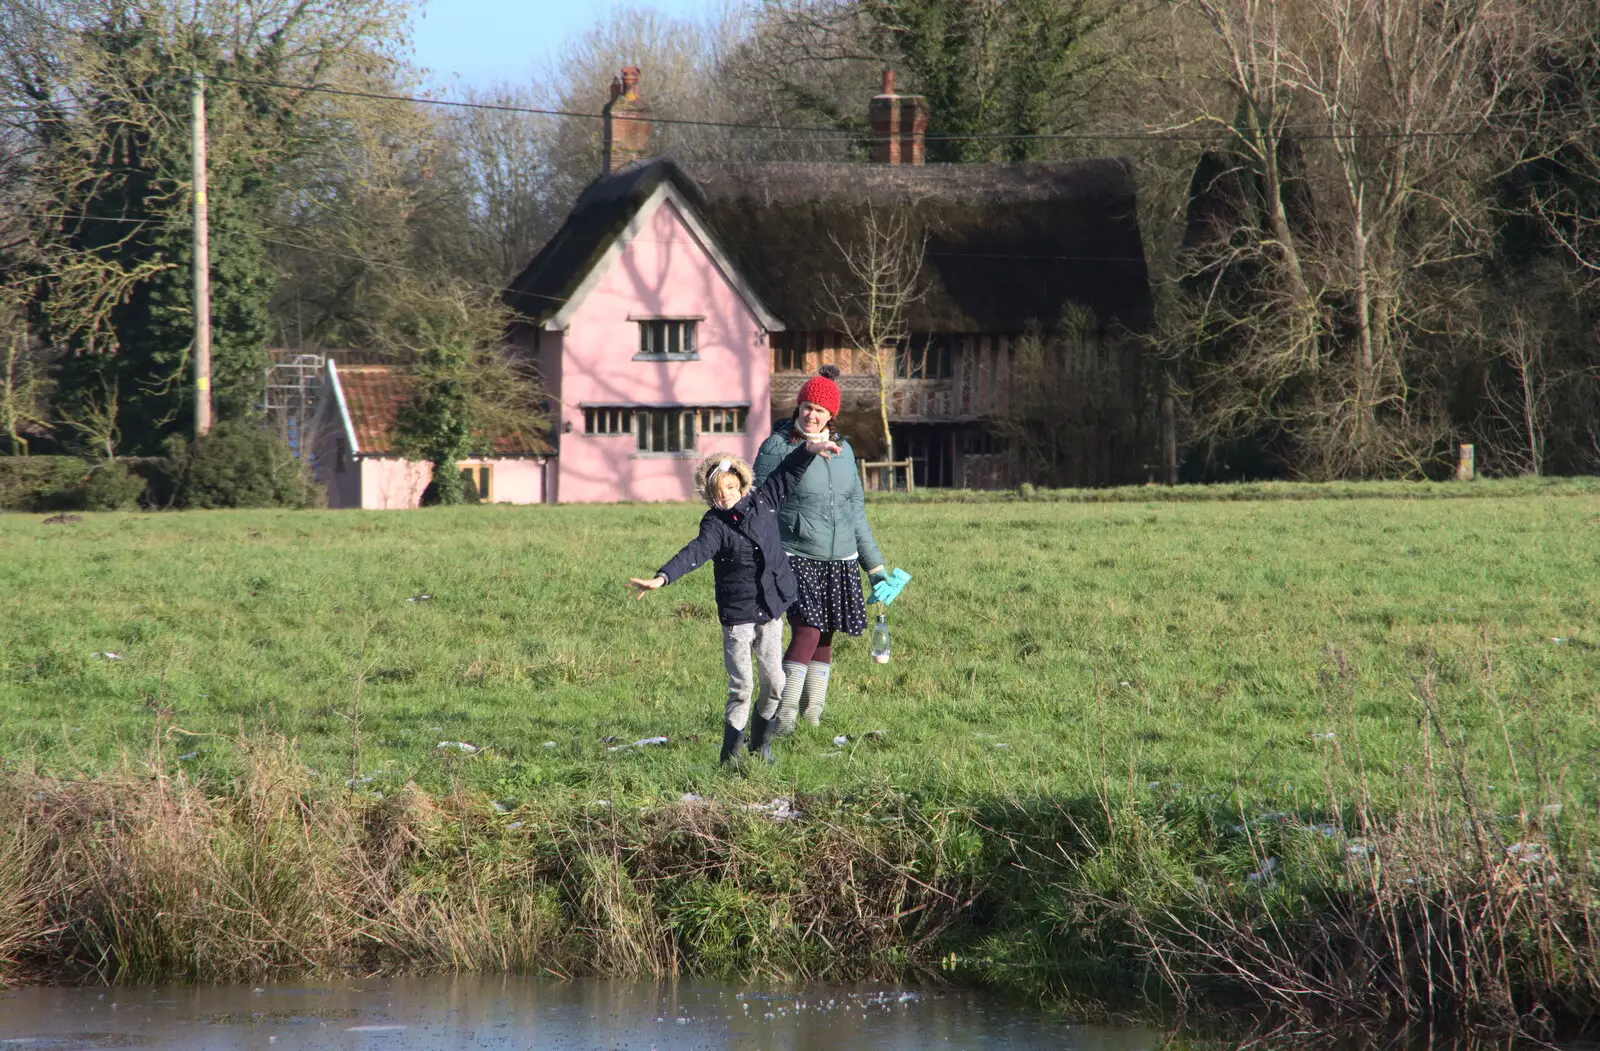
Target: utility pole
[[202, 261]]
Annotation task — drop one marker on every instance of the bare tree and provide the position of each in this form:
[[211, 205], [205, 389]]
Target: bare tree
[[469, 391], [359, 215], [1061, 399], [1526, 406], [1562, 173], [1358, 139], [500, 156], [94, 421], [871, 297], [24, 386], [95, 96]]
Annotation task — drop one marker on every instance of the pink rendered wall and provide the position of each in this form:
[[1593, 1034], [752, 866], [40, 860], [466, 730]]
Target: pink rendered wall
[[515, 481], [390, 482], [663, 271], [547, 359]]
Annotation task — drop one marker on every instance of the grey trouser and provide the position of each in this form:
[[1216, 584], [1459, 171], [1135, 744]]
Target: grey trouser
[[738, 642]]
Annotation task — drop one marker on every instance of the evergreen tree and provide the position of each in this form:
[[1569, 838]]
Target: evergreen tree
[[106, 87], [1026, 67]]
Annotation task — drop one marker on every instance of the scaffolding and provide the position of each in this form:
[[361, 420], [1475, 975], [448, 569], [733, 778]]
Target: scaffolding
[[290, 399]]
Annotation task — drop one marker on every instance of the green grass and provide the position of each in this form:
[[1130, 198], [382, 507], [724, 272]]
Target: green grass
[[1189, 644], [1102, 722]]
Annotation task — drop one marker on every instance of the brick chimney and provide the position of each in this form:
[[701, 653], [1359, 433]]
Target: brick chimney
[[899, 125], [627, 122]]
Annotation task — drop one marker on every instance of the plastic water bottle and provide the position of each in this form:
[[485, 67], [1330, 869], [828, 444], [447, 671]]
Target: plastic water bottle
[[880, 640]]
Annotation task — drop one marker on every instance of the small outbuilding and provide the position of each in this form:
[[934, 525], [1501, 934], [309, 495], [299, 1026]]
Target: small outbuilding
[[356, 446]]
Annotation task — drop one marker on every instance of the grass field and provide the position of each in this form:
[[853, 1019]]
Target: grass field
[[1103, 727], [1039, 644]]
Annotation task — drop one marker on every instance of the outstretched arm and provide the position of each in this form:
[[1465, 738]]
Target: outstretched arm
[[781, 482], [694, 554]]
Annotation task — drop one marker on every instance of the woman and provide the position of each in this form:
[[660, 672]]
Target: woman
[[823, 526]]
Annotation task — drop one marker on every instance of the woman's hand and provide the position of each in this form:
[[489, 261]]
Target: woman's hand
[[644, 587], [825, 449]]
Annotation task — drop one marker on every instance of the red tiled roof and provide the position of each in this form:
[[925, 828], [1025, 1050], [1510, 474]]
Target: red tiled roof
[[374, 396]]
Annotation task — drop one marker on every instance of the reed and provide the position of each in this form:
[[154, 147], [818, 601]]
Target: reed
[[1438, 910], [138, 878]]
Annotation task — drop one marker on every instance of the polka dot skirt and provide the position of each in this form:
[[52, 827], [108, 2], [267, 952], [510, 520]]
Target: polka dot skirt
[[830, 594]]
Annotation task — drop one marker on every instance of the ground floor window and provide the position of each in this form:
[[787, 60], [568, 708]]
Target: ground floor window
[[481, 478], [665, 429], [937, 450], [723, 421], [607, 419]]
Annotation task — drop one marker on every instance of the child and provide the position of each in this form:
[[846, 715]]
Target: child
[[754, 584]]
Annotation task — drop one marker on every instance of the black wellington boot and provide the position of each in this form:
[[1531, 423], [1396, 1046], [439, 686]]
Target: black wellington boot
[[731, 740], [761, 735]]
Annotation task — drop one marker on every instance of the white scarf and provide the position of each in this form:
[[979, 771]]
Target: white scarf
[[820, 437]]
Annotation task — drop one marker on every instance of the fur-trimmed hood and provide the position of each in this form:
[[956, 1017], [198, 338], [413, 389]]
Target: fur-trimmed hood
[[713, 465]]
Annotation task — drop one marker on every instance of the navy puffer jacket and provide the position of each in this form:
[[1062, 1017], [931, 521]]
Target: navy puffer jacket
[[754, 583]]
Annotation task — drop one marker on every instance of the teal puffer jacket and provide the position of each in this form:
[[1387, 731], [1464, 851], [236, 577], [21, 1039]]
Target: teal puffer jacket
[[825, 516]]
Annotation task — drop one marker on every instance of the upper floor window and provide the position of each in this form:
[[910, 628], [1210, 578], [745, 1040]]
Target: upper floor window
[[925, 358], [789, 351], [665, 339]]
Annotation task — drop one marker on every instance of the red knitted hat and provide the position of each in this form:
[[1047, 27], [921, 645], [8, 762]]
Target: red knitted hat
[[821, 390]]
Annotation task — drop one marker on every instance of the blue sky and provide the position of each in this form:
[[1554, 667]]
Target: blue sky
[[475, 43]]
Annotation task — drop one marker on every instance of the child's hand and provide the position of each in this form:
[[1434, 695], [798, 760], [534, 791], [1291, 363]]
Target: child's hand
[[644, 587], [825, 449]]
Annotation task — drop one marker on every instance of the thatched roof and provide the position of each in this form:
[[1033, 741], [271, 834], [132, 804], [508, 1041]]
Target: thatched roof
[[1008, 245]]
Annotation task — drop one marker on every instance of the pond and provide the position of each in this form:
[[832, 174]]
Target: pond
[[459, 1013]]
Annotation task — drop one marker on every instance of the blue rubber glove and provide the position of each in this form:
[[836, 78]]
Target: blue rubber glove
[[887, 589]]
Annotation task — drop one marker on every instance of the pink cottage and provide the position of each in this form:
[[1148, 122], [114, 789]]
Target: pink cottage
[[652, 347], [680, 306]]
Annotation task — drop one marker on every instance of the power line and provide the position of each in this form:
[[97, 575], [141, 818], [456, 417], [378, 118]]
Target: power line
[[1310, 131], [816, 134], [378, 263], [506, 108], [1035, 257], [496, 289]]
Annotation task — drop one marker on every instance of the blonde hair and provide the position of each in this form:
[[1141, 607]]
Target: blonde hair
[[708, 470]]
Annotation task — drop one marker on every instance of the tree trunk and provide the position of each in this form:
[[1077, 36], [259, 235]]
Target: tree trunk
[[1169, 438], [884, 377]]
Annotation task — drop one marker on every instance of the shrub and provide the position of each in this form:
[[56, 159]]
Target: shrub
[[110, 487], [469, 491], [239, 464], [38, 483]]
